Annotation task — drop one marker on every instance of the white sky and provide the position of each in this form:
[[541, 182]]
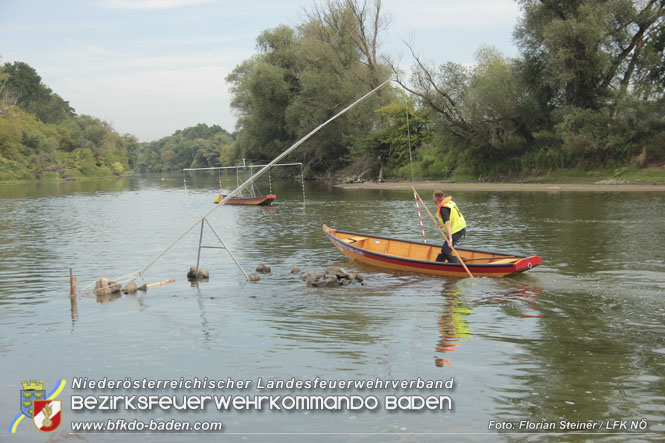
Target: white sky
[[151, 67]]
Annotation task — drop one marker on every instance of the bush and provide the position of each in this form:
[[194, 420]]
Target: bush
[[117, 168]]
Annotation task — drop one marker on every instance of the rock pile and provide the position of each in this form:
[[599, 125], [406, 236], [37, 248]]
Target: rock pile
[[332, 276], [104, 286]]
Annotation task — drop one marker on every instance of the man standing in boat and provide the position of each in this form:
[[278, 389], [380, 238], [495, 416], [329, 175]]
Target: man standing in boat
[[451, 218]]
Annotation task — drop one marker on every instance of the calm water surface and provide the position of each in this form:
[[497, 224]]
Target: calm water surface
[[580, 338]]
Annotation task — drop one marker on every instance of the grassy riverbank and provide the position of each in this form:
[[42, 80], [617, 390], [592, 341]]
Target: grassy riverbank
[[58, 179], [647, 179]]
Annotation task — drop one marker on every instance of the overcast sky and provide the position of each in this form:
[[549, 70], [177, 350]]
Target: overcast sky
[[151, 67]]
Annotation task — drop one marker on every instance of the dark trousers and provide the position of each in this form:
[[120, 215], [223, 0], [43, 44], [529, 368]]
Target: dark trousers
[[447, 253]]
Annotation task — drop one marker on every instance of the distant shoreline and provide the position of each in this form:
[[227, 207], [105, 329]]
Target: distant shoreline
[[507, 187], [62, 180]]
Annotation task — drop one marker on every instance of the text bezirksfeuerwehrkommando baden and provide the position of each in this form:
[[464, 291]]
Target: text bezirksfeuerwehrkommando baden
[[109, 394]]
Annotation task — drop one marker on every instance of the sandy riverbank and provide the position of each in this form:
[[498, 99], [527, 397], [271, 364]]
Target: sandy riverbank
[[499, 187]]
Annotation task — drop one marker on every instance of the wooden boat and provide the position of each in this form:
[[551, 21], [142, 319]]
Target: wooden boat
[[264, 200], [403, 255]]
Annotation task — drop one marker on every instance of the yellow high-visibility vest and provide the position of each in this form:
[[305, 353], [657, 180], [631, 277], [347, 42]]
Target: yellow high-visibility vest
[[457, 222]]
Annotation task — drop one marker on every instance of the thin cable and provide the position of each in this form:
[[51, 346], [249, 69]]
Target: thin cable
[[408, 132]]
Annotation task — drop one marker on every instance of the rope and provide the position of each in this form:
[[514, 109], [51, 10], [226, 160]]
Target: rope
[[408, 132], [122, 279]]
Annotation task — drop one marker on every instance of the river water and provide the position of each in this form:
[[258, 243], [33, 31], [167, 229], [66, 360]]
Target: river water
[[580, 338]]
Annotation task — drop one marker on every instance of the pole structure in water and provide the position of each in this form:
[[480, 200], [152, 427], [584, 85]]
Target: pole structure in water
[[258, 174], [293, 147]]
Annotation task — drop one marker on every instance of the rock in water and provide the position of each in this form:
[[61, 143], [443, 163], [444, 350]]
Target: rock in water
[[254, 277], [102, 283], [312, 275], [356, 276], [130, 287], [115, 287], [263, 269], [333, 276], [202, 274], [338, 272]]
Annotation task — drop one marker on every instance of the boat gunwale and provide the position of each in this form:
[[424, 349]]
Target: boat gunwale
[[412, 260], [271, 196], [250, 201]]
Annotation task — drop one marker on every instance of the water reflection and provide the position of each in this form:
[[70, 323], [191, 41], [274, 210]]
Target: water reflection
[[107, 298], [516, 296], [453, 322], [73, 307], [583, 364]]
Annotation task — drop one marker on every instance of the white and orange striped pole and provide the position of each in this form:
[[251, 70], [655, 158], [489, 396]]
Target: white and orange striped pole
[[422, 228]]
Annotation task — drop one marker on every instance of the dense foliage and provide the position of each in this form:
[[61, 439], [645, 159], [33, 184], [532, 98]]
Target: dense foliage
[[302, 76], [195, 147], [587, 91], [42, 137]]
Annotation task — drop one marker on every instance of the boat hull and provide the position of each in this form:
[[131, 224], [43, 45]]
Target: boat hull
[[249, 201], [407, 256]]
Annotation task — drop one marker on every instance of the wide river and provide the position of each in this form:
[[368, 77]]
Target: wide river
[[576, 344]]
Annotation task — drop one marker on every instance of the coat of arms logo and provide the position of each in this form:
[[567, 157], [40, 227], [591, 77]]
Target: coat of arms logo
[[43, 408], [47, 415], [31, 391]]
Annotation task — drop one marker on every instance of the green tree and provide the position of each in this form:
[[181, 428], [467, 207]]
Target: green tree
[[303, 76], [403, 128], [193, 147], [586, 53], [486, 109], [30, 94], [261, 89]]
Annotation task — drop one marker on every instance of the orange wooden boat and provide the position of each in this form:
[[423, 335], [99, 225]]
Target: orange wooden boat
[[410, 256], [264, 200]]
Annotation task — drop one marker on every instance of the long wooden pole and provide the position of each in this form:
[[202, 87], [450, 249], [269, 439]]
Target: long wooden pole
[[72, 283], [159, 283], [444, 235]]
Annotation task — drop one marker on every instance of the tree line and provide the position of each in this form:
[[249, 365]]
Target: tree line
[[586, 91], [199, 146], [42, 137]]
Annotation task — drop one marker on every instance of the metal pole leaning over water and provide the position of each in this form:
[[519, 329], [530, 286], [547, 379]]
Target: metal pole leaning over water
[[294, 146], [258, 174]]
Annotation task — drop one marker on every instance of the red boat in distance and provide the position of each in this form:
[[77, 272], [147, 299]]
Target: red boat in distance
[[249, 201]]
